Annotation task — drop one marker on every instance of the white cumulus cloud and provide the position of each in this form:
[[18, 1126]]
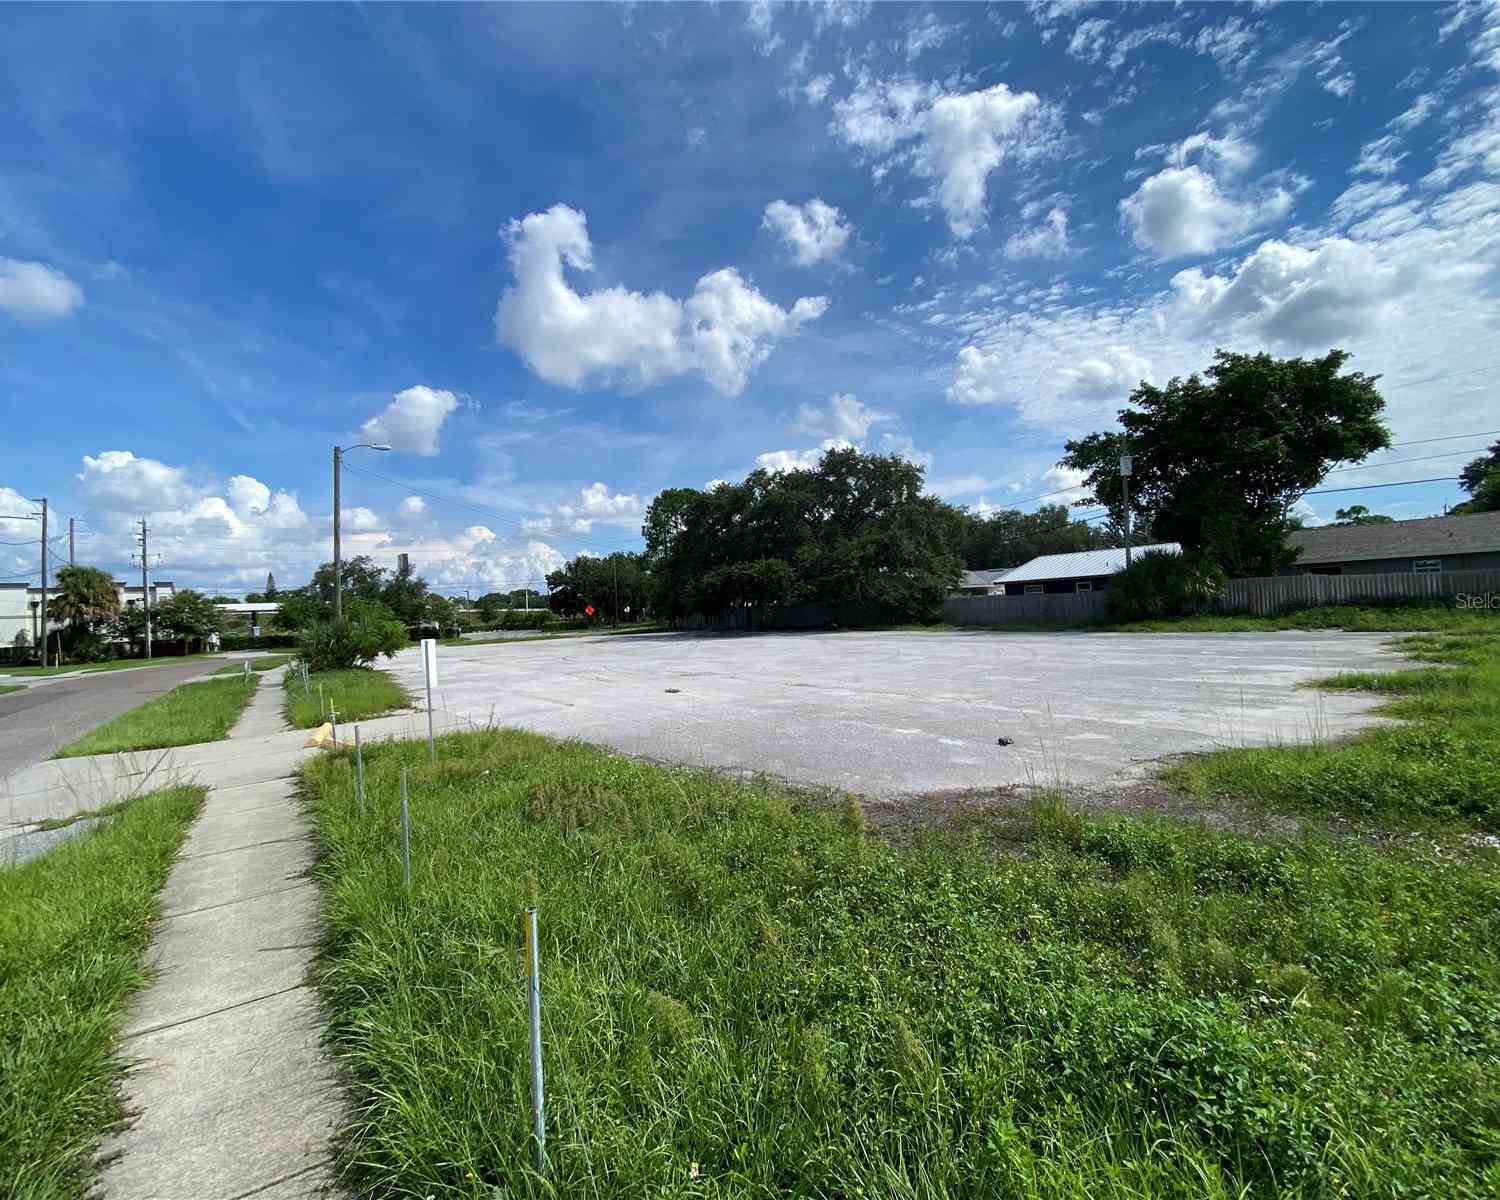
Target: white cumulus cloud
[[1301, 297], [1049, 239], [412, 421], [813, 232], [723, 331], [595, 503], [118, 481], [1182, 210], [954, 140], [33, 291], [844, 418], [1114, 371]]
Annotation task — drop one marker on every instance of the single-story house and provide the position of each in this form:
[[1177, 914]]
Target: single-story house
[[1423, 546], [1066, 574], [982, 583]]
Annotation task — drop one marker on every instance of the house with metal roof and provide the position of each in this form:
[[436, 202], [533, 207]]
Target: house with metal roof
[[1066, 574], [983, 583], [1424, 546]]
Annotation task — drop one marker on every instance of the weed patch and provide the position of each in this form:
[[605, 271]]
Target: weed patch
[[745, 997], [355, 693], [73, 926], [1438, 765], [189, 713]]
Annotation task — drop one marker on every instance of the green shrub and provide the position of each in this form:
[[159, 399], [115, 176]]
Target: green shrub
[[272, 641], [537, 618], [1160, 584], [367, 630]]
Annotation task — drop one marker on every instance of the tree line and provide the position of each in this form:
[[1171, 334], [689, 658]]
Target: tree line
[[1220, 462]]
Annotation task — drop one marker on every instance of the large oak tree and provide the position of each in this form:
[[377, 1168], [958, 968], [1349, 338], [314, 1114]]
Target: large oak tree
[[1221, 458]]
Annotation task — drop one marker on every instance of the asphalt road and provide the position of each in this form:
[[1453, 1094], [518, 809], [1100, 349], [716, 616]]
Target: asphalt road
[[892, 714], [52, 712]]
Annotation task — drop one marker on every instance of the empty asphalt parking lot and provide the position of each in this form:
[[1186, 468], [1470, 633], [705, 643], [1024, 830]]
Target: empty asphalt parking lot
[[887, 714]]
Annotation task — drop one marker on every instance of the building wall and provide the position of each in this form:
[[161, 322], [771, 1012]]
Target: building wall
[[15, 613], [15, 605], [1057, 587], [1394, 566]]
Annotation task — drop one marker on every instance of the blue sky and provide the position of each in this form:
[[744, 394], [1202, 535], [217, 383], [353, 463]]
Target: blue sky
[[563, 257]]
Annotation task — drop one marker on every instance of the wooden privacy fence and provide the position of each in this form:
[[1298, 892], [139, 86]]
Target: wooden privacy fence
[[1077, 609], [1267, 597], [1264, 597]]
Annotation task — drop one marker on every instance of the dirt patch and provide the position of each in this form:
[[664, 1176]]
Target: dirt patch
[[900, 818]]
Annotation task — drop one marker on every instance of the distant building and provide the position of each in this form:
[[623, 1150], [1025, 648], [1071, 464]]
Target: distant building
[[982, 583], [21, 607], [252, 617], [1066, 574], [1423, 546]]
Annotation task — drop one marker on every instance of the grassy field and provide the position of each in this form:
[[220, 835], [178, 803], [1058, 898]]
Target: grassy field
[[356, 694], [189, 713], [269, 663], [73, 925], [1440, 763], [117, 664], [11, 687], [747, 997], [1354, 618]]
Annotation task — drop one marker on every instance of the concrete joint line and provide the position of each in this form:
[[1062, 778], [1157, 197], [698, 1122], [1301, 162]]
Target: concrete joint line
[[259, 1188], [213, 1012], [188, 912], [234, 787], [248, 846], [279, 802]]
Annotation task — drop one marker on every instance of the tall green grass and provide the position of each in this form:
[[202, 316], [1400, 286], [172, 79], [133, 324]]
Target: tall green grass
[[1442, 762], [354, 694], [1353, 618], [745, 997], [73, 926], [189, 713]]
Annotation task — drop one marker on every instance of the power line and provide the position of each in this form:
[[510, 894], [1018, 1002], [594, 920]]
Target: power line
[[1397, 462], [1452, 437], [1369, 486]]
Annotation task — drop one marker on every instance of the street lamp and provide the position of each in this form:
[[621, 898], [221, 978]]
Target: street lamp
[[338, 461], [1127, 462]]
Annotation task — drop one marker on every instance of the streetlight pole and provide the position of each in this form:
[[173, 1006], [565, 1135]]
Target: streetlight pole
[[338, 462], [43, 502], [1127, 462]]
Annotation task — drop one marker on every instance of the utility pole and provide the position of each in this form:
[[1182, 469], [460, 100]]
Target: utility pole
[[338, 461], [1127, 462], [145, 586], [338, 606], [615, 562], [72, 561], [45, 639]]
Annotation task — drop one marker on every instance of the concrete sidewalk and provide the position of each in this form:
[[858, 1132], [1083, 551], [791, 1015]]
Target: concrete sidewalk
[[230, 1088], [230, 1092]]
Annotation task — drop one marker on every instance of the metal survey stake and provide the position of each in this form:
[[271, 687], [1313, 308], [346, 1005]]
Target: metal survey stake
[[534, 1004], [429, 669], [405, 836], [359, 772]]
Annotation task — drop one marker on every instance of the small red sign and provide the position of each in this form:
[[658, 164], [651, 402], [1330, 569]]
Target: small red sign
[[588, 610]]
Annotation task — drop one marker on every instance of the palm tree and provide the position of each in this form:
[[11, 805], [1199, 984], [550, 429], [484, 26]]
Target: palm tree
[[86, 597]]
